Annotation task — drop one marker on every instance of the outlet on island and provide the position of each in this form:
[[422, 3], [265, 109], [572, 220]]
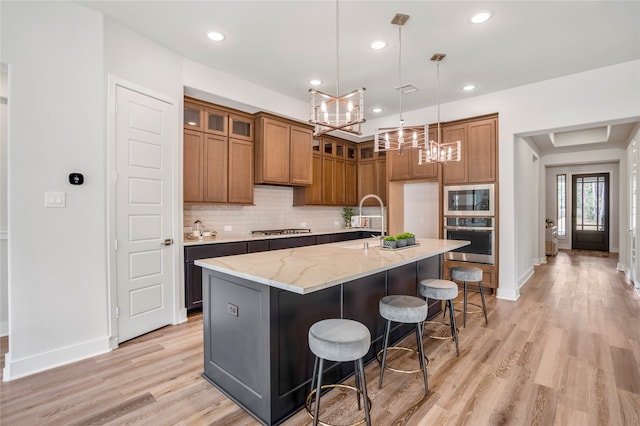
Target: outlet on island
[[228, 227]]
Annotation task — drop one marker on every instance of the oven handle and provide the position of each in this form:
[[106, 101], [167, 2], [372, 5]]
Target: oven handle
[[470, 228]]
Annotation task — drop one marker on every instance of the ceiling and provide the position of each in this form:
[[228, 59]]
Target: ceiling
[[282, 45]]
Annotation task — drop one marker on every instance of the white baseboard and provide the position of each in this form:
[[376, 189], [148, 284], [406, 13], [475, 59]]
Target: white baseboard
[[15, 369], [621, 268], [525, 277], [508, 294], [4, 328]]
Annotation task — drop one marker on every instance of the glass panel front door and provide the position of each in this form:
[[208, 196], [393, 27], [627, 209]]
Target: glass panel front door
[[591, 212]]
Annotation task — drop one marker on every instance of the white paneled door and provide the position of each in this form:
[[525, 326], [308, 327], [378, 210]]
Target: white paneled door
[[144, 250]]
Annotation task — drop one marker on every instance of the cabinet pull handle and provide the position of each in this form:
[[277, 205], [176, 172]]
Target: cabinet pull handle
[[167, 242]]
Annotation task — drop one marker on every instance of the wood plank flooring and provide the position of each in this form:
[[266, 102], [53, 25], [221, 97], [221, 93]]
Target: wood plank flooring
[[566, 353]]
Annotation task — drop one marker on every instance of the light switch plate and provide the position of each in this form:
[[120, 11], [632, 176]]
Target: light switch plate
[[55, 199]]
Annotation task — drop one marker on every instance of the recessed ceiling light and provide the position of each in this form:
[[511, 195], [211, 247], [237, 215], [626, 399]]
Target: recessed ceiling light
[[469, 87], [215, 36], [480, 16], [315, 82], [376, 109], [378, 44]]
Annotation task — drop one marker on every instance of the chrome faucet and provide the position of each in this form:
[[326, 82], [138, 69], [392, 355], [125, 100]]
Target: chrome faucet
[[381, 210]]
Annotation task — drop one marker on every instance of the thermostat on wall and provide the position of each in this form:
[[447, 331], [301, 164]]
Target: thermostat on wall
[[76, 179]]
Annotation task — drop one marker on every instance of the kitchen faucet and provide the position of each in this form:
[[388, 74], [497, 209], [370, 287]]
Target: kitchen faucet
[[381, 211]]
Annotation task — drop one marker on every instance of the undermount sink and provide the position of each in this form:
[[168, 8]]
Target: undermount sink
[[373, 242]]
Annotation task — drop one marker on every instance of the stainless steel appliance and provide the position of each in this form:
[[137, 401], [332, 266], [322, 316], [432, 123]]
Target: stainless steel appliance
[[469, 200], [285, 231], [479, 230]]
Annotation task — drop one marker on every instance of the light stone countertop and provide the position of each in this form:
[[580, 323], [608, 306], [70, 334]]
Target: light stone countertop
[[230, 238], [304, 270]]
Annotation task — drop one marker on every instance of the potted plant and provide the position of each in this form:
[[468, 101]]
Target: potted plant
[[389, 242], [401, 240], [347, 214], [411, 239]]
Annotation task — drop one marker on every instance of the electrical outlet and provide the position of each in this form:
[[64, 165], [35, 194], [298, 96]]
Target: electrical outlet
[[336, 223], [232, 309], [228, 227], [303, 224]]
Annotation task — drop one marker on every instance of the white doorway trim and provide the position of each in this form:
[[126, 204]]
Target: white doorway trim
[[179, 311]]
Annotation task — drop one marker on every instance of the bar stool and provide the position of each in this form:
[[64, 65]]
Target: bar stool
[[406, 310], [339, 340], [469, 274], [442, 290]]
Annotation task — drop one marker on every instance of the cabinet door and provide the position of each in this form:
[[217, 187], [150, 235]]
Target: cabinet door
[[216, 121], [314, 192], [366, 182], [399, 164], [192, 164], [424, 170], [272, 162], [351, 183], [241, 127], [193, 286], [240, 171], [481, 151], [301, 153], [339, 181], [215, 169], [328, 184], [381, 180], [456, 172], [193, 116]]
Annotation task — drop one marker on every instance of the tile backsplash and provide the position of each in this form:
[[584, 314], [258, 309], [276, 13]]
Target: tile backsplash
[[272, 210]]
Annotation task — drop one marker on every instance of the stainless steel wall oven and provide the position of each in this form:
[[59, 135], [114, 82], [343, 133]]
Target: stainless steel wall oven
[[479, 230]]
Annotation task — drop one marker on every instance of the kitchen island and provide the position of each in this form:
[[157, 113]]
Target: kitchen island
[[258, 308]]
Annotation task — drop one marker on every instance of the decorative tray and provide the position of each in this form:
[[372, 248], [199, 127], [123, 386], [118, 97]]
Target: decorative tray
[[400, 248]]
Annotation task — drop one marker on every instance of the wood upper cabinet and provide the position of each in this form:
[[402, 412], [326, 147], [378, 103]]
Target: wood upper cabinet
[[479, 151], [351, 183], [192, 159], [215, 162], [372, 174], [456, 171], [482, 150], [217, 168], [283, 152], [240, 171], [301, 156], [193, 117], [424, 170], [399, 165], [328, 181]]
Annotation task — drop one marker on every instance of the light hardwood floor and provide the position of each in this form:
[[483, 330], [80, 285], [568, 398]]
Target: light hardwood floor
[[566, 353]]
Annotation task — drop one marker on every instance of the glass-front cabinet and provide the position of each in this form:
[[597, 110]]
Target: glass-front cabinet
[[241, 127], [193, 116], [216, 121]]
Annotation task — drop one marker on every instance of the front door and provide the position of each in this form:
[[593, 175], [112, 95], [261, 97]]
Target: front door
[[590, 212], [144, 196]]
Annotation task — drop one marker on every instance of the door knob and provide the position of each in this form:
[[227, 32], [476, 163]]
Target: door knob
[[167, 242]]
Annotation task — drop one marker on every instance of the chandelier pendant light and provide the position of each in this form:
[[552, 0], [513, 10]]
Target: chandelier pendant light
[[437, 151], [401, 137], [344, 112]]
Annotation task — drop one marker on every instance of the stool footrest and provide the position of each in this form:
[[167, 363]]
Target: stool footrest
[[307, 404], [468, 311], [400, 348], [441, 337]]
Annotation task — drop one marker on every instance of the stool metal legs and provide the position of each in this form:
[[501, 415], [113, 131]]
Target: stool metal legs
[[361, 386], [484, 307], [452, 322], [420, 351]]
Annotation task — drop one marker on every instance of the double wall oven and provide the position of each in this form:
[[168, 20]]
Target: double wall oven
[[469, 215]]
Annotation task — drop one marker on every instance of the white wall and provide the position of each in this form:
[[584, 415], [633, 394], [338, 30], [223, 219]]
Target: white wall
[[526, 201], [615, 212], [57, 279], [421, 209], [4, 252]]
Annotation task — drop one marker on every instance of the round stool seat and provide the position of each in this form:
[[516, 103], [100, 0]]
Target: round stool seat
[[438, 289], [339, 339], [404, 309], [466, 273]]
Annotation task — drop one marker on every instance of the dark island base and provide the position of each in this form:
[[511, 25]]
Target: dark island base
[[255, 336]]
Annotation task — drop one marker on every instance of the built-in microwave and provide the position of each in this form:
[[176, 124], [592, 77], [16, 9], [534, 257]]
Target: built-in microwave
[[469, 200]]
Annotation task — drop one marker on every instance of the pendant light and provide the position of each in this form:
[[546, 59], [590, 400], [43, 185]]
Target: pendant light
[[345, 112], [401, 137], [439, 152]]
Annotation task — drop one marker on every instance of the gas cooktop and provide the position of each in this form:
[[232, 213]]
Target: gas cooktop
[[281, 231]]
